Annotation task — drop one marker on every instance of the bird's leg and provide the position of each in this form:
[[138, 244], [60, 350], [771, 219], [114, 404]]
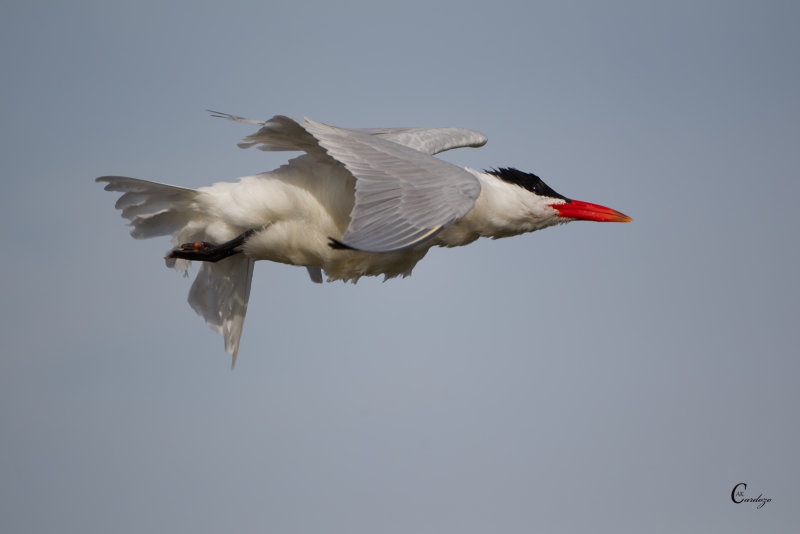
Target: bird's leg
[[204, 251]]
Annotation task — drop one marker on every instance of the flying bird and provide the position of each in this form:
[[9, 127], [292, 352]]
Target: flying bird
[[358, 202]]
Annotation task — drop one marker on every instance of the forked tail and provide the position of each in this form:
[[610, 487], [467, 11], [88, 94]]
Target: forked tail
[[221, 290]]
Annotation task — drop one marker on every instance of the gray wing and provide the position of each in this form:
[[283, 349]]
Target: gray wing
[[277, 134], [427, 140], [403, 196], [430, 140]]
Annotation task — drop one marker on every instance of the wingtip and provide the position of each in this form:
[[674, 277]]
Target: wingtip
[[231, 117], [234, 352], [112, 182]]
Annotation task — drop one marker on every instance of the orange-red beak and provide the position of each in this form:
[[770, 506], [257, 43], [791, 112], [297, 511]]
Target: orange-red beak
[[585, 211]]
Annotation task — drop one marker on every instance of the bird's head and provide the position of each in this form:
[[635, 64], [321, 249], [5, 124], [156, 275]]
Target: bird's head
[[551, 207]]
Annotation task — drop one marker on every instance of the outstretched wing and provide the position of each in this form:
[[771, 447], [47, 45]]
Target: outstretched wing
[[219, 294], [430, 140], [403, 196]]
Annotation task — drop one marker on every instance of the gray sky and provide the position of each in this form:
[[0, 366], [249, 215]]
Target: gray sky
[[611, 378]]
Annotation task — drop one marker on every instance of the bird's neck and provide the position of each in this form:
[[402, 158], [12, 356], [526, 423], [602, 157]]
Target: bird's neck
[[503, 209]]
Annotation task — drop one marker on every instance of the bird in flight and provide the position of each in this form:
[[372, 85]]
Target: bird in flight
[[358, 202]]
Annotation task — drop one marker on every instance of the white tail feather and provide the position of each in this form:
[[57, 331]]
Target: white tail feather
[[221, 290], [153, 209]]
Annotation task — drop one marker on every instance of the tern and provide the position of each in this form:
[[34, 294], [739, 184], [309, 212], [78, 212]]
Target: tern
[[358, 202]]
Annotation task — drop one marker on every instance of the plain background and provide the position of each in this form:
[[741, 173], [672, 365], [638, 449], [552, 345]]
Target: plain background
[[592, 377]]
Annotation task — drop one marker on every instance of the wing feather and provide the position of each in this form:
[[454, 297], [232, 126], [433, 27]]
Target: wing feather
[[430, 140], [403, 195]]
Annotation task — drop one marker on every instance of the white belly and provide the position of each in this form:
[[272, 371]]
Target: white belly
[[298, 212]]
